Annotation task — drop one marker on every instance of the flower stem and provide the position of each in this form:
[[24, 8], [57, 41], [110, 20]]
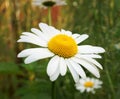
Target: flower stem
[[53, 83], [53, 90], [49, 16]]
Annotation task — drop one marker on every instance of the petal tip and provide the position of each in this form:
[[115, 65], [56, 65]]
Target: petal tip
[[62, 74], [103, 50], [18, 40], [26, 62], [98, 76], [52, 79], [101, 67], [42, 24], [18, 55], [32, 29]]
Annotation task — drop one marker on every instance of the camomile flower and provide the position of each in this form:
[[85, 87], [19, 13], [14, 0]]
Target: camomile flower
[[117, 46], [63, 49], [88, 85], [48, 3]]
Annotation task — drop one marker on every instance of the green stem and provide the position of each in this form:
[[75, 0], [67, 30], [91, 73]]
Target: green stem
[[53, 90], [49, 16], [50, 23]]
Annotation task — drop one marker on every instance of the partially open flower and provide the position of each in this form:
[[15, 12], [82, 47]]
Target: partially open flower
[[88, 85], [48, 3], [63, 47]]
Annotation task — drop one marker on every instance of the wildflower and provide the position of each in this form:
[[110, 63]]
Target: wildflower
[[48, 3], [62, 46], [88, 85], [117, 46]]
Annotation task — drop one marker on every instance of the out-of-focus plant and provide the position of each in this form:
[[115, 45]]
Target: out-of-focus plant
[[98, 18]]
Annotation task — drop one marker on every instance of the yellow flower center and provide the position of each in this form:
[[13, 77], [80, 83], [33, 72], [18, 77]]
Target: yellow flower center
[[88, 84], [63, 45]]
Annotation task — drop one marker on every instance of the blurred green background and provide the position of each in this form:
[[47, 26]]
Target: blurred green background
[[100, 19]]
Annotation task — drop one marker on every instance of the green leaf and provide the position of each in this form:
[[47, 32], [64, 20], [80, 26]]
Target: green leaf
[[8, 68], [36, 96], [38, 89]]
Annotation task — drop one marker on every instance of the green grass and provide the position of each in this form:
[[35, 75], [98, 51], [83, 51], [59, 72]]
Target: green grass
[[100, 19]]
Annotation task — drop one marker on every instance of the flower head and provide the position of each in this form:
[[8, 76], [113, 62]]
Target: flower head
[[117, 46], [88, 85], [62, 46], [48, 3]]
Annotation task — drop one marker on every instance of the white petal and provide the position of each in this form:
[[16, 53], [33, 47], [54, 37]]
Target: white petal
[[82, 90], [80, 87], [89, 59], [29, 40], [88, 89], [89, 55], [63, 67], [36, 55], [60, 2], [94, 62], [82, 81], [31, 35], [75, 36], [32, 38], [37, 2], [73, 72], [31, 51], [88, 66], [78, 68], [63, 31], [54, 30], [39, 33], [90, 49], [48, 30], [81, 38], [69, 33], [55, 75], [28, 34], [87, 79], [53, 65]]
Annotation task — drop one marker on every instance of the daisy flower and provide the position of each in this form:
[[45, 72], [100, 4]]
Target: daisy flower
[[48, 3], [88, 85], [62, 46], [117, 46]]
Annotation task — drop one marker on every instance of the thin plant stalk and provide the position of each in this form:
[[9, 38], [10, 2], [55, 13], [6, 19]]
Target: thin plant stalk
[[50, 23], [109, 79], [49, 16], [53, 90]]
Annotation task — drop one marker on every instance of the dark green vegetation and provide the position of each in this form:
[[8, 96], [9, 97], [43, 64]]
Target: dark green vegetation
[[100, 19]]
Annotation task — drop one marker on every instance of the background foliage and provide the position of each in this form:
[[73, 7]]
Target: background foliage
[[98, 18]]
